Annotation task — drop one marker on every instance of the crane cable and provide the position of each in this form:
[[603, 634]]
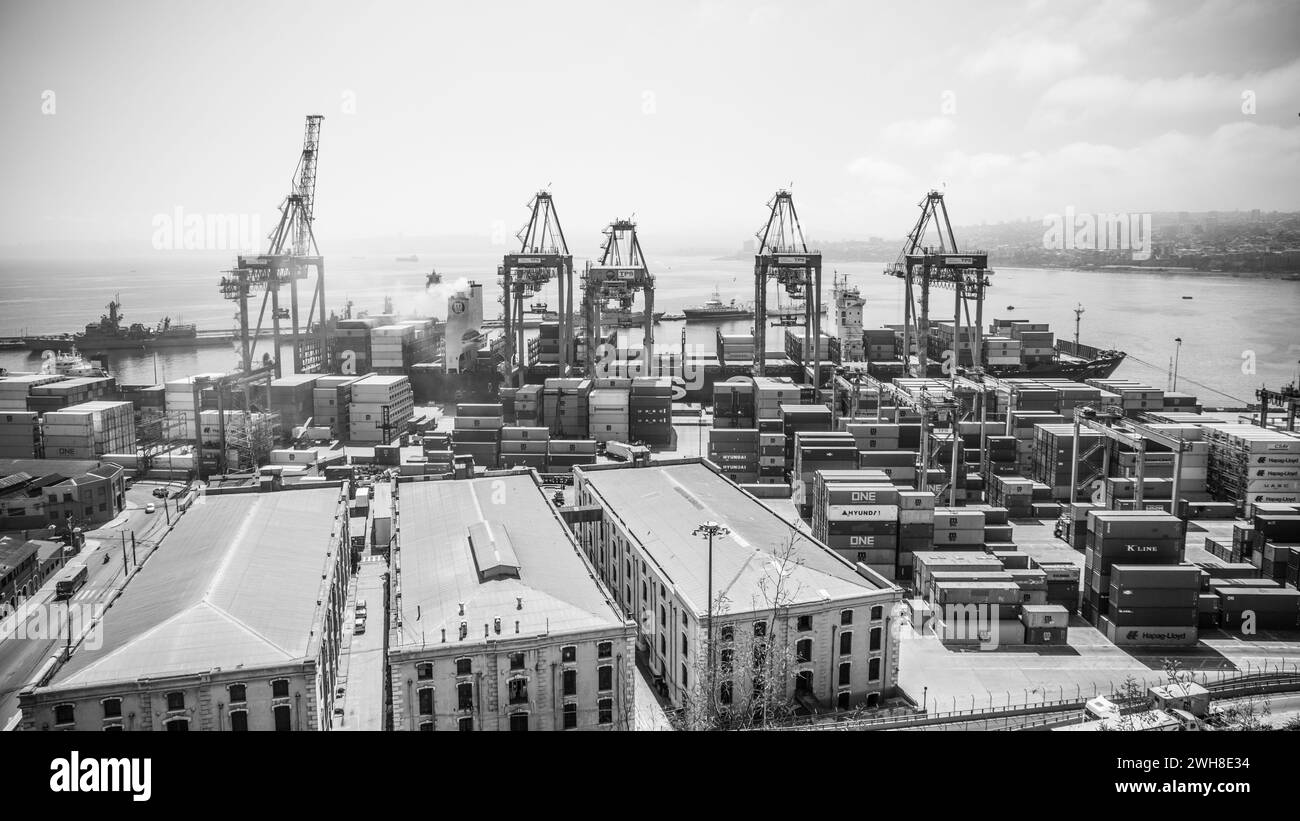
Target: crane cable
[[1193, 381]]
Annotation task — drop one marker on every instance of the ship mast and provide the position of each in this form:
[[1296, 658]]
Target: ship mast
[[1078, 316]]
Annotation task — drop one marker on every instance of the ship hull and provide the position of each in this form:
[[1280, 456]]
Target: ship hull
[[96, 346], [716, 316]]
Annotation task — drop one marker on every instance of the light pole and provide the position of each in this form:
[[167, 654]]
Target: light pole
[[1177, 350], [710, 530]]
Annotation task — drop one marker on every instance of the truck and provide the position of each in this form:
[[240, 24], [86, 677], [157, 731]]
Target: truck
[[636, 454], [70, 579]]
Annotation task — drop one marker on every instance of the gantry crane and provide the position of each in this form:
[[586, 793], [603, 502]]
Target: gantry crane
[[1131, 434], [618, 276], [543, 256], [783, 255], [1286, 399], [943, 266], [291, 254]]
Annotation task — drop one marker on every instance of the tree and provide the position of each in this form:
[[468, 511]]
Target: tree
[[742, 676]]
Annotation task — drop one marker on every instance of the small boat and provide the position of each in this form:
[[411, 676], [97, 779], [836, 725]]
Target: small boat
[[715, 309], [1186, 297]]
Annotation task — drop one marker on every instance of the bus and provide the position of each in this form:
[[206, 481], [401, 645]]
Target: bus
[[70, 579]]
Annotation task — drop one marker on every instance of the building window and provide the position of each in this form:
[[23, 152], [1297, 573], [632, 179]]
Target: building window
[[803, 681], [685, 622], [606, 709], [463, 667], [644, 594], [465, 725], [280, 688], [845, 670], [570, 680], [727, 656], [877, 613], [178, 725], [605, 649], [842, 701], [684, 645], [873, 670], [873, 699], [426, 726], [65, 714], [804, 624], [424, 671], [112, 708], [426, 700], [725, 692], [518, 690], [803, 651], [519, 723], [570, 715], [663, 616], [728, 633], [516, 661], [176, 701], [685, 680], [569, 654], [605, 677], [760, 629], [663, 645], [465, 696], [239, 721], [846, 643], [874, 643], [281, 718], [238, 693], [846, 618]]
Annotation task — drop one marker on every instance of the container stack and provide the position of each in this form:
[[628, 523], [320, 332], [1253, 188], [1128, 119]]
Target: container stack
[[859, 522], [958, 528], [179, 401], [14, 390], [1053, 455], [371, 396], [395, 348], [1037, 343], [20, 434], [735, 452], [89, 430], [525, 447], [771, 453], [814, 451], [1021, 425], [915, 528], [528, 405], [650, 409], [879, 345], [1151, 604], [607, 415], [1254, 464], [1013, 493], [735, 347], [995, 616], [1269, 607], [292, 397], [828, 348], [476, 432], [351, 342], [548, 344], [734, 404], [1001, 456], [1046, 624], [1276, 537], [1001, 351], [1125, 537], [563, 454], [797, 419], [330, 398], [60, 395], [565, 404]]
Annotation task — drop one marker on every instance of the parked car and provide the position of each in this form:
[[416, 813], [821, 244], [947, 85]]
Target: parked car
[[160, 493], [361, 609], [359, 626], [150, 508]]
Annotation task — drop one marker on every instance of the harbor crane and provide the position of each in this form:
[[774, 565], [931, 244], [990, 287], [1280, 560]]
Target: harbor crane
[[783, 255], [543, 255], [943, 266], [1128, 433], [291, 254], [1287, 398], [617, 277]]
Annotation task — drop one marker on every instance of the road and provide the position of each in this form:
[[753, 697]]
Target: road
[[20, 657], [363, 655]]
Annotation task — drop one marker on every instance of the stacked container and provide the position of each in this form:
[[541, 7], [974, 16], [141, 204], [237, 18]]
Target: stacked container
[[1053, 454], [525, 446], [293, 399], [735, 452], [565, 405], [89, 430], [476, 432], [814, 451], [608, 413], [650, 410], [59, 395], [1151, 604], [915, 527], [958, 528], [1251, 463], [371, 395], [528, 405], [734, 404], [563, 454], [20, 434], [1125, 537], [331, 396], [14, 390], [859, 521]]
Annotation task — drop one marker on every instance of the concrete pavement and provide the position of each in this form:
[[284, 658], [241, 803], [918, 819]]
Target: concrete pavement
[[363, 700]]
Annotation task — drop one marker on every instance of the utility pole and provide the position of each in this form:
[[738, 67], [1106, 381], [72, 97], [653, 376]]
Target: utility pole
[[125, 569], [134, 558], [1078, 317], [1177, 350]]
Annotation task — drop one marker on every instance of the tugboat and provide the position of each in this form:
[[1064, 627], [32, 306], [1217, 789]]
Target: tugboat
[[715, 310], [73, 364]]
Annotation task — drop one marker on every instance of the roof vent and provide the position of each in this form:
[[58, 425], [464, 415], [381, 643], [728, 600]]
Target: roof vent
[[493, 552]]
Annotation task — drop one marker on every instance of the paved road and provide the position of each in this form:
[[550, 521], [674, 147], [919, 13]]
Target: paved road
[[21, 657], [363, 701]]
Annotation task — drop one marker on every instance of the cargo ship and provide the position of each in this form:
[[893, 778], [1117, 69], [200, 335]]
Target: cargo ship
[[110, 334], [715, 310]]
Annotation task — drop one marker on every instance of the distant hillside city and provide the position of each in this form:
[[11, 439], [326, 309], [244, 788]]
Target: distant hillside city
[[1215, 241]]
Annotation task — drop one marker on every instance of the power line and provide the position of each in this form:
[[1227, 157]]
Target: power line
[[1193, 381]]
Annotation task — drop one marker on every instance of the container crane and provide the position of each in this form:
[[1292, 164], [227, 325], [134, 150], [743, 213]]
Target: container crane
[[1287, 398], [543, 255], [783, 255], [291, 254], [618, 276]]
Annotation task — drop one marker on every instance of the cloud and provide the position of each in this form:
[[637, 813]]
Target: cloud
[[878, 172], [928, 132], [1026, 57]]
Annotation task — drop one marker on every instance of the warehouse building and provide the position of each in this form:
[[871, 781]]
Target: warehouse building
[[499, 621], [35, 493], [770, 581], [234, 625]]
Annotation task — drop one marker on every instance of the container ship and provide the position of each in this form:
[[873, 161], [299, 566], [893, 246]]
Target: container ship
[[110, 334]]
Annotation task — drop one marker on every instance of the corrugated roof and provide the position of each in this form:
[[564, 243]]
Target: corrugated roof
[[236, 583], [439, 573], [661, 506]]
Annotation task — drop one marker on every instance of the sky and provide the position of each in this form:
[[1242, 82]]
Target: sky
[[444, 118]]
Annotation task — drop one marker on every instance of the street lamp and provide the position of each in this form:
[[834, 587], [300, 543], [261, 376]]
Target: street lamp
[[710, 530], [1177, 350]]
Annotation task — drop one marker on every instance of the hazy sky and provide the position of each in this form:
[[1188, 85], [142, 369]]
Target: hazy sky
[[689, 114]]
